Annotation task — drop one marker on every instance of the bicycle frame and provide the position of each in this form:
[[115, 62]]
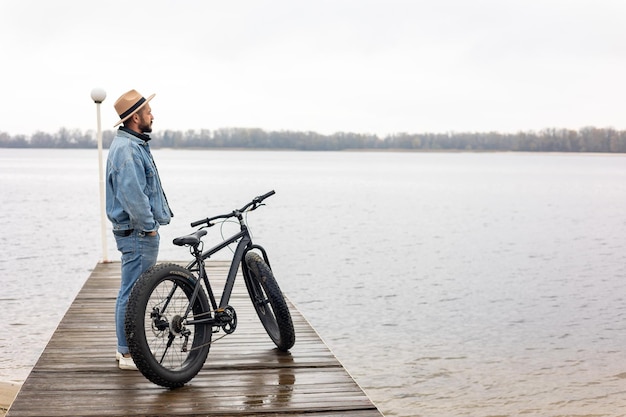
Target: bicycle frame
[[245, 244]]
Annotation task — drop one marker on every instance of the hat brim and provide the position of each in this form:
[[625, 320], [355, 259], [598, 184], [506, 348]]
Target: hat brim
[[136, 110]]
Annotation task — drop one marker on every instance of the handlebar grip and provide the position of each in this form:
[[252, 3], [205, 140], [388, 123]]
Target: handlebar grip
[[199, 222], [264, 196]]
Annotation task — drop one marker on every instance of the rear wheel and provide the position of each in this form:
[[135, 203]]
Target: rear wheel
[[165, 345], [269, 302]]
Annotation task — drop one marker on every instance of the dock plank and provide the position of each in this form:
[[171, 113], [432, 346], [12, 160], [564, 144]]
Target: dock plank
[[244, 374]]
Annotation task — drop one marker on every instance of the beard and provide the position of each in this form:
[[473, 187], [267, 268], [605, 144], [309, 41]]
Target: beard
[[145, 126]]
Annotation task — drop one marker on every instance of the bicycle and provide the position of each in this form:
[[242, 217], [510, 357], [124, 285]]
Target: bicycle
[[170, 322]]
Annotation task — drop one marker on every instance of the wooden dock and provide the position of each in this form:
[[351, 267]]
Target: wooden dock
[[244, 375]]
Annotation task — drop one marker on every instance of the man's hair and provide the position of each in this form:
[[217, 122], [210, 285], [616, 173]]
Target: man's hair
[[138, 112]]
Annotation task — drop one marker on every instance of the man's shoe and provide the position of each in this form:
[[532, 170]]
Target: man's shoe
[[126, 362], [118, 356]]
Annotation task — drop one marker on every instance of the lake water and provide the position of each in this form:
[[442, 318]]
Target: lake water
[[447, 283]]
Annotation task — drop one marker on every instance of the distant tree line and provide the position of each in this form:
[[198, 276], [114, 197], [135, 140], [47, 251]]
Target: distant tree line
[[588, 139]]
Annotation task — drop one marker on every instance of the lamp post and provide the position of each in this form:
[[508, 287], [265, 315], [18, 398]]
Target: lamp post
[[98, 95]]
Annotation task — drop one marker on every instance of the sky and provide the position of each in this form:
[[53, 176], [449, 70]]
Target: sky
[[326, 66]]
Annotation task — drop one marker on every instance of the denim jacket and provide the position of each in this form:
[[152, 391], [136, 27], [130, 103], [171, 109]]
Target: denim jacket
[[134, 195]]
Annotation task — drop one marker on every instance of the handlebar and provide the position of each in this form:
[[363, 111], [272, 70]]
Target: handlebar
[[253, 205]]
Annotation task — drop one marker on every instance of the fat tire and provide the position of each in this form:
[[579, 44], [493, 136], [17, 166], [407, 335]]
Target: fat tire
[[145, 342], [277, 319]]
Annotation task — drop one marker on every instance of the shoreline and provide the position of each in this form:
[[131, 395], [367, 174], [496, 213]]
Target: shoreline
[[8, 392]]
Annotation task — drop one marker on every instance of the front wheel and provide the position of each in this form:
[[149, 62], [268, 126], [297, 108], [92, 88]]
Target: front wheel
[[269, 302], [168, 339]]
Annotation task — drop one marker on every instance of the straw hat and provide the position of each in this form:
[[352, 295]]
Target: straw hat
[[128, 104]]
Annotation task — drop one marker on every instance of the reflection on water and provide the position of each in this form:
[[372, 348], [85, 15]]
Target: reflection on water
[[270, 387], [447, 284]]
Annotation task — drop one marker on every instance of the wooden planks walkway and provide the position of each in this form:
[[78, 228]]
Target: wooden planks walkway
[[244, 375]]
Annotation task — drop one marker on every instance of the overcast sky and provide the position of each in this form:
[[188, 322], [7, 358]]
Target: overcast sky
[[367, 66]]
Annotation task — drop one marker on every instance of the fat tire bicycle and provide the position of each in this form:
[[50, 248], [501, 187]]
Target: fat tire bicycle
[[171, 316]]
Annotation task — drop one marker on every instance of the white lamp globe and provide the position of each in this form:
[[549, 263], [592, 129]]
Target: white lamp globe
[[98, 95]]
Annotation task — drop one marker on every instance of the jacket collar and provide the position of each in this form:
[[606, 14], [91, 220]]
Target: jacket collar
[[141, 136]]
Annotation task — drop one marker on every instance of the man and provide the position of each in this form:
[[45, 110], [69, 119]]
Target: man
[[135, 203]]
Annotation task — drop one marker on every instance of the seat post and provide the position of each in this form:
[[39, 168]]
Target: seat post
[[196, 252]]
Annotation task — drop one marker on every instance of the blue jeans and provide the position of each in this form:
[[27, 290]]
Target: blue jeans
[[139, 252]]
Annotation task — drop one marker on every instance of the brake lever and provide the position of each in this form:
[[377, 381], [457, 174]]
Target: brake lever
[[256, 206]]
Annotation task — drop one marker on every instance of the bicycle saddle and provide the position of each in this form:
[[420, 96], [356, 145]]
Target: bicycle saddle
[[191, 239]]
